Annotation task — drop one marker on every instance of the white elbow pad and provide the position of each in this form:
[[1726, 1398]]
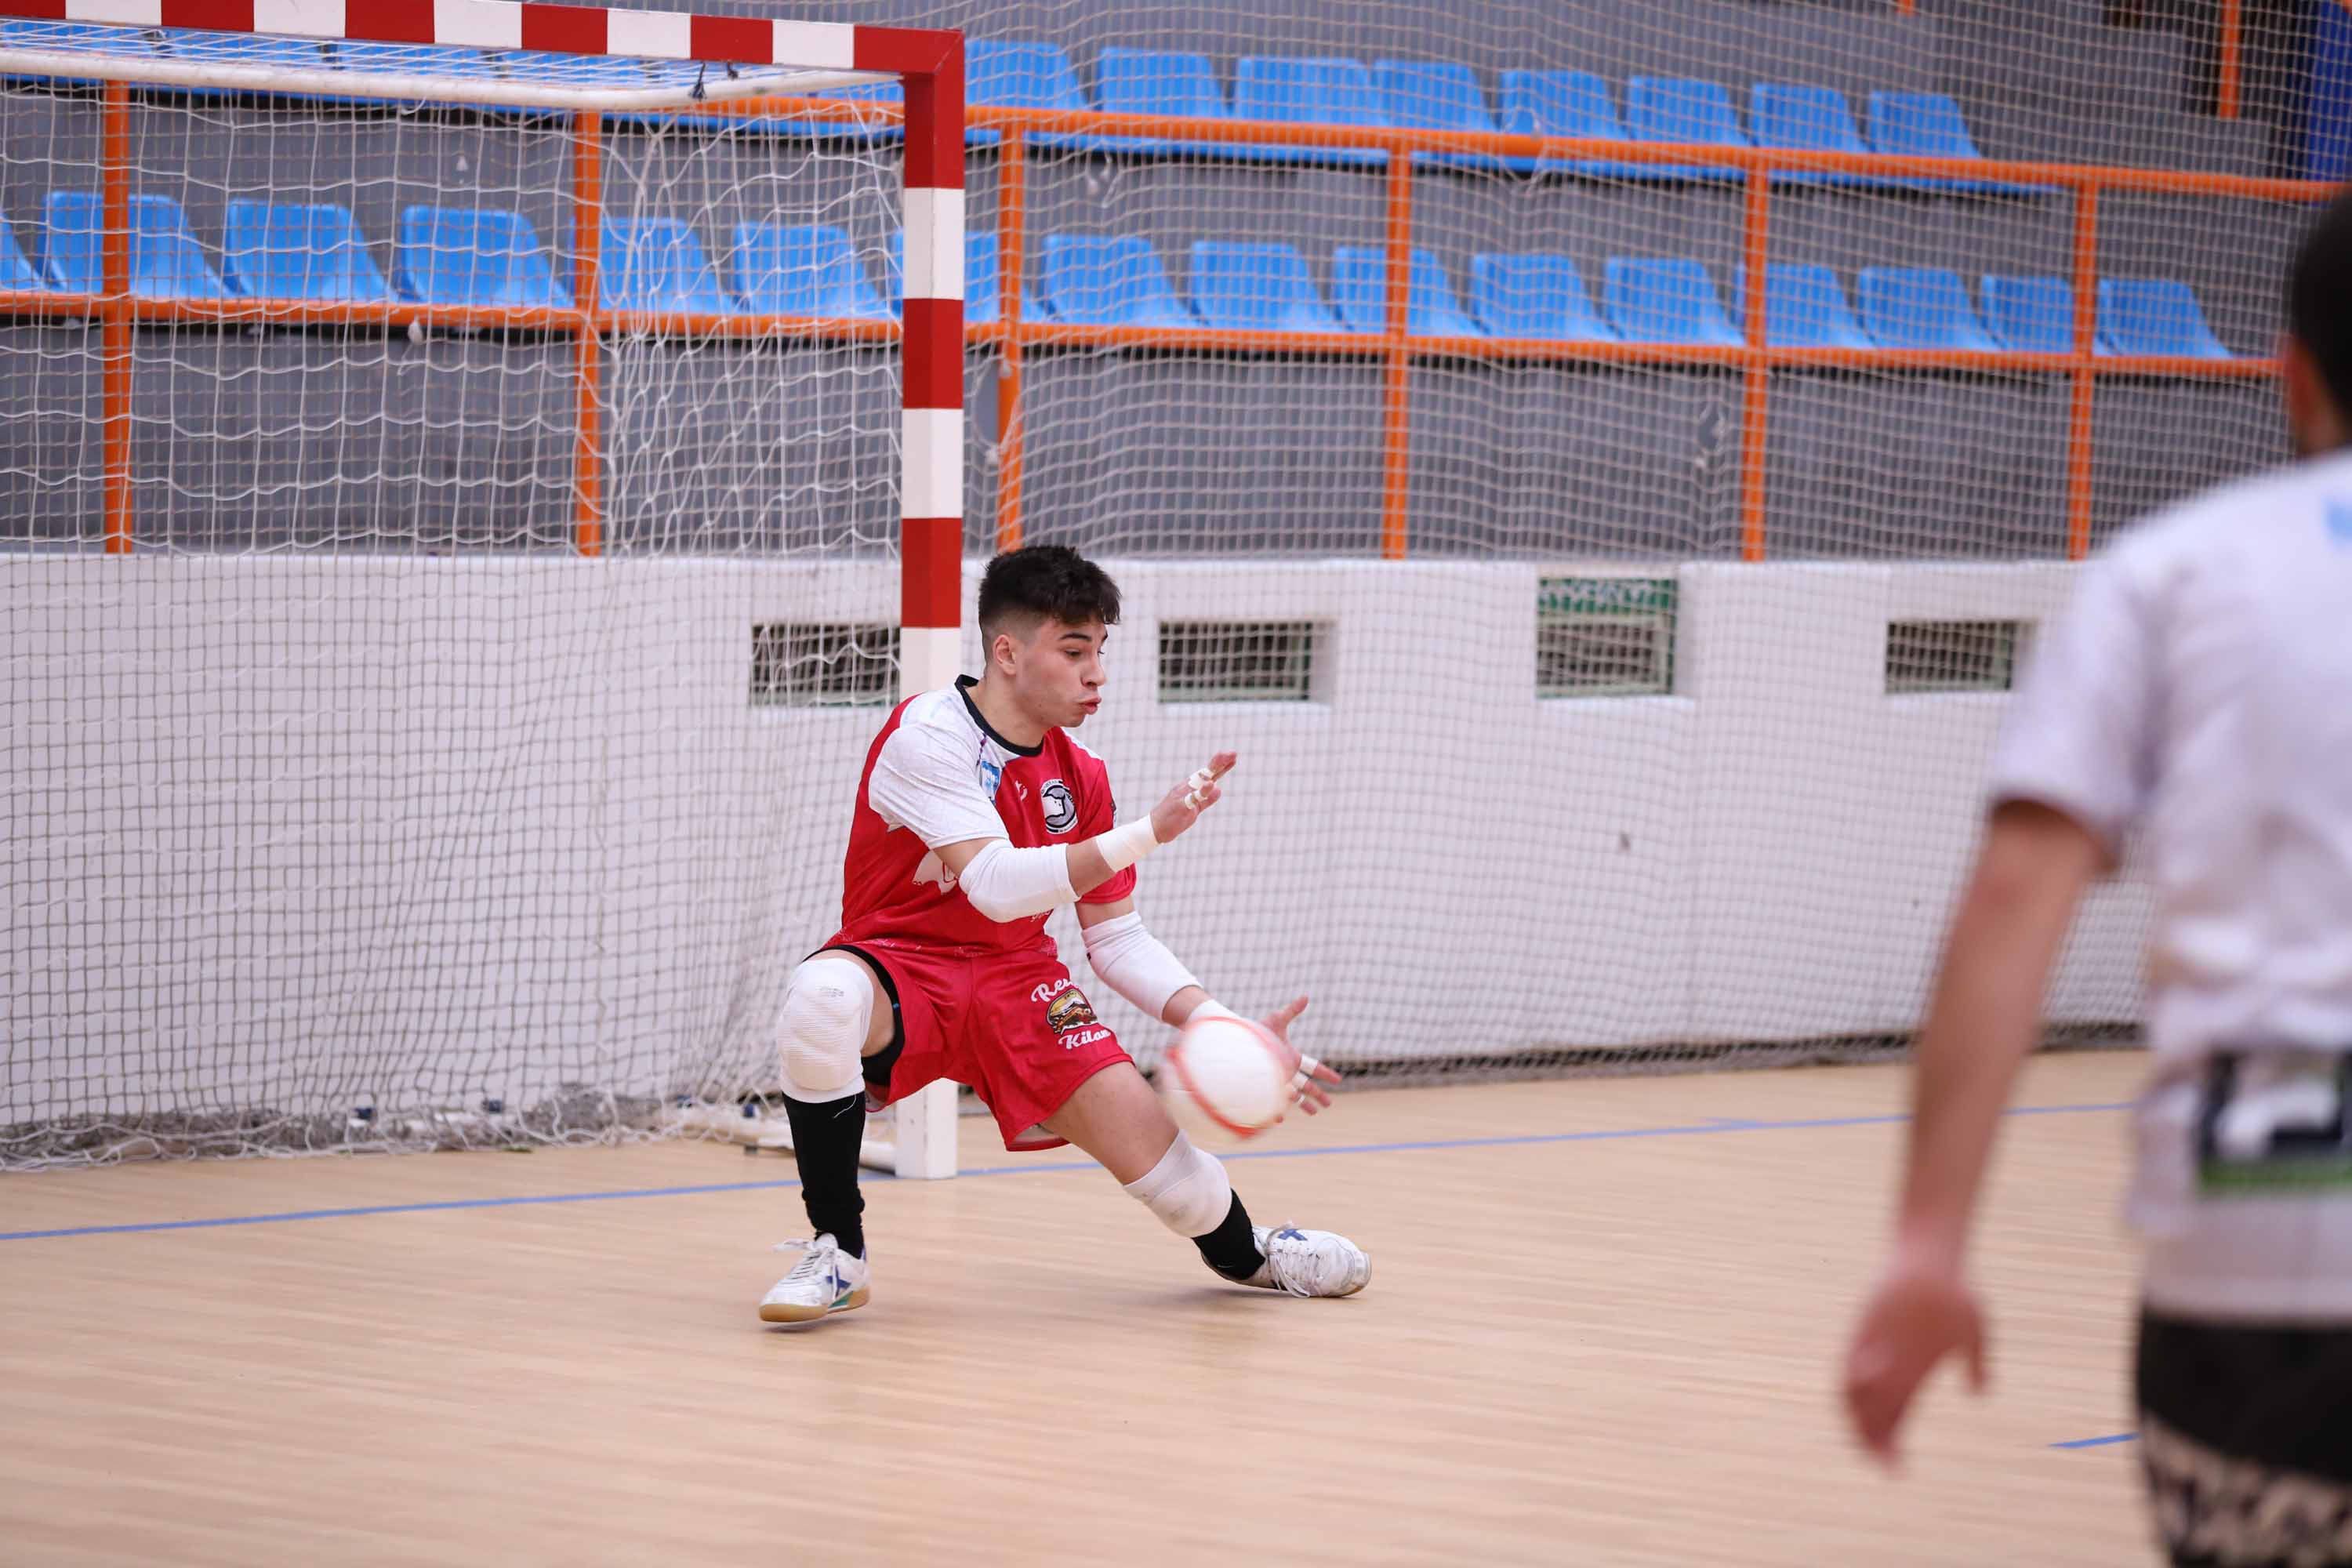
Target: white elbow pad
[[1008, 884], [1135, 963]]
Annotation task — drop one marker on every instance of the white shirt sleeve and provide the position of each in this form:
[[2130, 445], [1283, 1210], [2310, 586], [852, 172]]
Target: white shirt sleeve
[[924, 781], [2080, 734]]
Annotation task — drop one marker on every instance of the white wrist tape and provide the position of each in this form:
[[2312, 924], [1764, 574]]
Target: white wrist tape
[[1135, 963], [1008, 884], [1213, 1009], [1128, 842]]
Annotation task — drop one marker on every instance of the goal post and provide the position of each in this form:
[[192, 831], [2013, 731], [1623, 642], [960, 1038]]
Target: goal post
[[688, 293]]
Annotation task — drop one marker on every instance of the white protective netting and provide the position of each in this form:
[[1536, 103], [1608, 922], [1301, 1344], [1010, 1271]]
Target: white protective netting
[[1608, 694], [357, 803]]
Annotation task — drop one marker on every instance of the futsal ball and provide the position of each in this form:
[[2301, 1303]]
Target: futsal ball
[[1225, 1080]]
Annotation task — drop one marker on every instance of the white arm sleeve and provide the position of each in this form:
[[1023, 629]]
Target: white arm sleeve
[[1007, 884], [1135, 963]]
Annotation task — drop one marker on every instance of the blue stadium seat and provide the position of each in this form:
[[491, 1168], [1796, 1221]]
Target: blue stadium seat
[[1256, 288], [1814, 119], [2030, 315], [803, 270], [1156, 82], [984, 282], [1308, 93], [2155, 316], [286, 251], [1804, 308], [474, 256], [166, 262], [1921, 308], [1679, 109], [1930, 125], [1441, 94], [244, 49], [656, 264], [1568, 103], [1359, 289], [79, 38], [1666, 300], [1020, 74], [15, 272], [1535, 295], [1110, 280]]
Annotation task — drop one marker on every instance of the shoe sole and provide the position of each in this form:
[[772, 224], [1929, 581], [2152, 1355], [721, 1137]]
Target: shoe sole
[[785, 1312]]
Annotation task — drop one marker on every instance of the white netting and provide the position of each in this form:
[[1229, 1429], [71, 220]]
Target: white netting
[[357, 804], [301, 819]]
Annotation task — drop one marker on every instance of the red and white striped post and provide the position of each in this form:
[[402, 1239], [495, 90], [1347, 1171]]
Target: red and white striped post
[[931, 490]]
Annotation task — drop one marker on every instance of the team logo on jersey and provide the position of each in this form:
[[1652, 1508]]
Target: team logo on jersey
[[1061, 811], [1069, 1010], [991, 775]]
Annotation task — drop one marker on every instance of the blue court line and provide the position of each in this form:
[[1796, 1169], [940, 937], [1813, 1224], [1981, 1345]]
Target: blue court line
[[2098, 1442], [1696, 1130]]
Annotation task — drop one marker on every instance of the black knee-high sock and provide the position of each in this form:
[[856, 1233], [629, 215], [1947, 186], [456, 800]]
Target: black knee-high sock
[[1231, 1249], [826, 1140]]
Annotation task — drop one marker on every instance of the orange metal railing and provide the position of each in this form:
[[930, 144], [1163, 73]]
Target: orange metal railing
[[1396, 348]]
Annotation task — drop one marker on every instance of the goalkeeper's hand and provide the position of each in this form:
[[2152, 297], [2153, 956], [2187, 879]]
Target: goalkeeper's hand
[[1183, 805], [1307, 1075]]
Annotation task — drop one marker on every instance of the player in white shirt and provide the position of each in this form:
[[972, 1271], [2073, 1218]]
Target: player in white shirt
[[2196, 698], [978, 815]]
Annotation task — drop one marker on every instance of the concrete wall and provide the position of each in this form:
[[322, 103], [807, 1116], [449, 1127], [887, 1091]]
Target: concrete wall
[[307, 834]]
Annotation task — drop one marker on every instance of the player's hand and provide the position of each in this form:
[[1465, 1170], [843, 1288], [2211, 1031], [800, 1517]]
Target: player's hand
[[1183, 805], [1920, 1314], [1307, 1075]]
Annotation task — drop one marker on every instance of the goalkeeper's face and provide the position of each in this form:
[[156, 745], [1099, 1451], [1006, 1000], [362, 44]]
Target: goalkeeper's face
[[1057, 671]]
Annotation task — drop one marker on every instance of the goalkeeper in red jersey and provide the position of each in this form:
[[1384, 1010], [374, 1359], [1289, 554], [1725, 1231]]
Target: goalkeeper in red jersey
[[976, 816]]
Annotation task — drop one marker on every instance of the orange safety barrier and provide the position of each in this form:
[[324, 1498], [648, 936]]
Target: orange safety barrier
[[1396, 348]]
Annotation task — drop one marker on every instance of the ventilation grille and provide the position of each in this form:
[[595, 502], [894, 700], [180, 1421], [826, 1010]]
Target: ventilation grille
[[796, 665], [1605, 636], [1237, 661], [1950, 656]]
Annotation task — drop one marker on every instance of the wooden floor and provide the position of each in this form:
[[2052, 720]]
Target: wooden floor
[[1601, 1329]]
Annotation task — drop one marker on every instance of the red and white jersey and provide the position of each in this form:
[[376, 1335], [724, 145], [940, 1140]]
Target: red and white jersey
[[938, 774]]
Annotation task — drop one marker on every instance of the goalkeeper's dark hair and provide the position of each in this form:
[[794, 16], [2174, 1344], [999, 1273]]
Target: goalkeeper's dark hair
[[2319, 299], [1046, 582]]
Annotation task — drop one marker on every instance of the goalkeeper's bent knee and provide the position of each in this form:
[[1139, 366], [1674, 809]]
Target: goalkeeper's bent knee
[[1188, 1189], [828, 1006]]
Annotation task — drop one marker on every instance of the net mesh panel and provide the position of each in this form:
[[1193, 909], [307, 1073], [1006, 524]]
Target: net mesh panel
[[358, 806], [356, 788]]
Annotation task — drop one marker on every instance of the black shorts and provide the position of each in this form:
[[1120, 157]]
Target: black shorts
[[2246, 1442]]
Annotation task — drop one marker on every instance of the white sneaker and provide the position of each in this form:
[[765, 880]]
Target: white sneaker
[[1309, 1262], [825, 1281]]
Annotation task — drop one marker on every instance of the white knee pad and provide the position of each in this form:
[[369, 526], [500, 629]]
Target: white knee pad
[[1188, 1189], [828, 1005]]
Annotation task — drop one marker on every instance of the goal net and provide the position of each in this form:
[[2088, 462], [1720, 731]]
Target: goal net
[[468, 500], [441, 484]]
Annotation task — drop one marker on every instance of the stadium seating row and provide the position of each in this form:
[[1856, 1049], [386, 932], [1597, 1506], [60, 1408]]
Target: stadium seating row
[[482, 256], [1447, 96], [1334, 91]]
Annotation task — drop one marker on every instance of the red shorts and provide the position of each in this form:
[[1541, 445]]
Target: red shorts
[[1011, 1025]]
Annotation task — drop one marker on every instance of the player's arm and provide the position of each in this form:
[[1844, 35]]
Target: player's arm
[[932, 791], [1138, 966], [2074, 769], [1982, 1023]]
